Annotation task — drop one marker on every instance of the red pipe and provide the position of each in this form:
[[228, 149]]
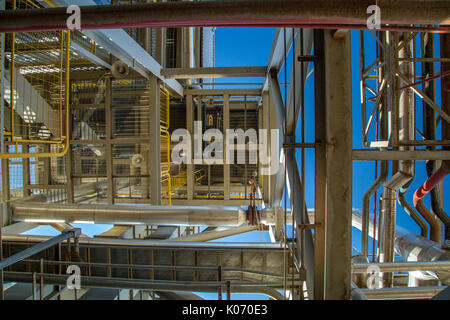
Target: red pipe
[[437, 177], [431, 218]]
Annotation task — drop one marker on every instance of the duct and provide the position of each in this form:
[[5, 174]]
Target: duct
[[422, 191], [115, 214], [229, 13], [96, 282]]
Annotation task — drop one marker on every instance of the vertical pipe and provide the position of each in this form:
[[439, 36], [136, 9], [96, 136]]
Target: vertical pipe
[[402, 128], [445, 96], [429, 123], [41, 285]]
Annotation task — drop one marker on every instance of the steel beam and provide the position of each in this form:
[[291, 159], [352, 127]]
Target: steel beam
[[221, 92], [190, 128], [226, 166], [216, 72], [367, 154], [338, 113], [155, 142], [319, 167]]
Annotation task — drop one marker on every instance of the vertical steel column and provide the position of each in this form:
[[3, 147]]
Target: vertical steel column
[[320, 167], [266, 125], [108, 147], [160, 50], [26, 170], [226, 167], [155, 142], [338, 113], [68, 159], [190, 129], [4, 208]]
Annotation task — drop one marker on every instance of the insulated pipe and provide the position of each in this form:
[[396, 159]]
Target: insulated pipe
[[229, 13], [366, 203], [404, 123], [215, 216], [411, 246], [383, 168], [435, 226]]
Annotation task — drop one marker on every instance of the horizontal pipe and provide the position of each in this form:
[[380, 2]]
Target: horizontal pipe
[[215, 216], [405, 292], [402, 266], [230, 13]]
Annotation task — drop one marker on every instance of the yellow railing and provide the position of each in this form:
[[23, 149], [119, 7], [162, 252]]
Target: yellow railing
[[166, 180], [38, 83]]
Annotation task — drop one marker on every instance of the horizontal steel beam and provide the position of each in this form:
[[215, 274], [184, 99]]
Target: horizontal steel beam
[[103, 282], [216, 72], [229, 13], [221, 92], [365, 154]]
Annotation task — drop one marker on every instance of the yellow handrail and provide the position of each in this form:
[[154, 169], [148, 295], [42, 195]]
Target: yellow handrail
[[66, 97]]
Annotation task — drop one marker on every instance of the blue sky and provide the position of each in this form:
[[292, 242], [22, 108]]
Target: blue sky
[[251, 47]]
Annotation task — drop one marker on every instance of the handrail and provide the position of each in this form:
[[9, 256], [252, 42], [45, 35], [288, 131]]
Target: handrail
[[28, 155]]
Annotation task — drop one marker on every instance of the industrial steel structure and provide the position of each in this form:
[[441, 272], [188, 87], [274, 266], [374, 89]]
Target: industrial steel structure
[[88, 120]]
